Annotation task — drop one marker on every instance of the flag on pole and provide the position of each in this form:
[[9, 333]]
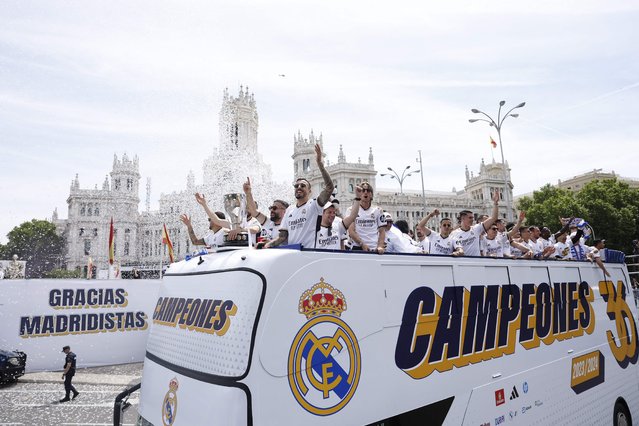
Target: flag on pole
[[89, 268], [166, 240], [493, 143], [111, 243]]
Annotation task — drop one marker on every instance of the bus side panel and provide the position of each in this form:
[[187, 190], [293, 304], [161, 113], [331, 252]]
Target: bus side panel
[[187, 401], [571, 378]]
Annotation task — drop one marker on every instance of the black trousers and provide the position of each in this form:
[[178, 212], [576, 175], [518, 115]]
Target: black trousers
[[68, 387]]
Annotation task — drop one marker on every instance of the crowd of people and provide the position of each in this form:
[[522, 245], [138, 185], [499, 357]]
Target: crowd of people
[[318, 223]]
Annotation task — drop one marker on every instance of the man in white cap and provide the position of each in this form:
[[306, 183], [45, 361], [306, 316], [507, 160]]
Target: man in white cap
[[332, 233], [398, 241]]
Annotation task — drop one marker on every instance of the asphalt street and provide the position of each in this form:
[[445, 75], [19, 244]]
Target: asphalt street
[[34, 399]]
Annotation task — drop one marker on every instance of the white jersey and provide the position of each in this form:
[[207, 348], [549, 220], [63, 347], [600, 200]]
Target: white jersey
[[397, 242], [252, 223], [300, 223], [469, 240], [502, 237], [270, 230], [562, 251], [536, 245], [329, 238], [543, 243], [441, 245], [213, 240], [424, 245], [515, 251], [492, 248], [531, 245], [367, 224]]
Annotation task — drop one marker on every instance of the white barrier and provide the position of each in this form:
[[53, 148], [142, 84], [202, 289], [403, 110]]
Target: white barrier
[[104, 322]]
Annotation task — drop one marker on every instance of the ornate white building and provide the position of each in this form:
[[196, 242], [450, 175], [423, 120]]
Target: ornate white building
[[138, 235], [409, 205]]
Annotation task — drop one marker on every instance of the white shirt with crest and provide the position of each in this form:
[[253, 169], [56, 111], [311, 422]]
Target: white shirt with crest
[[300, 222]]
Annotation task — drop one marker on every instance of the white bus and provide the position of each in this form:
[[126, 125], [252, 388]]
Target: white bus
[[290, 337]]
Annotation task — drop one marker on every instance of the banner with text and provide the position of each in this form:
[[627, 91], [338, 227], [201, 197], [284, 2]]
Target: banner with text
[[104, 322]]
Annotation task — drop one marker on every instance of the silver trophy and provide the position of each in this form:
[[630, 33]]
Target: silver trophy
[[235, 208]]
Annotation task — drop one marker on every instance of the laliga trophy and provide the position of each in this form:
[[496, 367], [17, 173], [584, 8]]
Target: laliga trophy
[[235, 207]]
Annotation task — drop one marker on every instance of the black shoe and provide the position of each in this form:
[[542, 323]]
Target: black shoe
[[75, 395], [66, 399]]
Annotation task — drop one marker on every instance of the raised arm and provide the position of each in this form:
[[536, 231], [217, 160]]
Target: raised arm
[[325, 195], [422, 223], [187, 221], [222, 223], [250, 203], [347, 221], [489, 222], [520, 220], [566, 226]]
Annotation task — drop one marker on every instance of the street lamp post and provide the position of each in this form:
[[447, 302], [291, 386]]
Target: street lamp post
[[497, 125], [399, 178], [421, 171]]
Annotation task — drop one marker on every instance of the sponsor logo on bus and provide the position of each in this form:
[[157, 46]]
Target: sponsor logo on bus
[[499, 397], [513, 393], [499, 420], [319, 383]]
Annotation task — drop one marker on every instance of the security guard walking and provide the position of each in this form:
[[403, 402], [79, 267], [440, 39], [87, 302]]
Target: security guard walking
[[68, 373]]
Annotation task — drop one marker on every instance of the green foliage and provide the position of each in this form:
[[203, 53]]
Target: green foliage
[[37, 243], [63, 273], [610, 206]]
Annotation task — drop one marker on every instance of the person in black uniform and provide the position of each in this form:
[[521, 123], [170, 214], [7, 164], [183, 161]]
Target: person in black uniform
[[68, 373]]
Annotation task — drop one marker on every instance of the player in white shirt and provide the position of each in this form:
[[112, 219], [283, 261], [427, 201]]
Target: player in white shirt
[[332, 233], [271, 224], [218, 226], [300, 219], [423, 241], [468, 235], [562, 248], [595, 254], [368, 232], [395, 239], [442, 242], [491, 246]]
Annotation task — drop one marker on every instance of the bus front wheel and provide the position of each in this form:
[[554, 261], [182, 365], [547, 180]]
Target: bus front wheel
[[621, 415]]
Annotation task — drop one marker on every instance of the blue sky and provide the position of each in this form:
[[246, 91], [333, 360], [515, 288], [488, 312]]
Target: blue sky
[[80, 81]]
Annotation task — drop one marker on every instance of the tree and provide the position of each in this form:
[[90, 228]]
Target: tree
[[38, 244], [549, 204], [609, 206], [612, 208]]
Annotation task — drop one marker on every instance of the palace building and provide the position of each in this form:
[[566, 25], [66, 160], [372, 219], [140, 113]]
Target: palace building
[[138, 233]]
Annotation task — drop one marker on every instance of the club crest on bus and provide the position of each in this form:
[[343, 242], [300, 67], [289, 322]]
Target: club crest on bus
[[170, 403], [324, 361]]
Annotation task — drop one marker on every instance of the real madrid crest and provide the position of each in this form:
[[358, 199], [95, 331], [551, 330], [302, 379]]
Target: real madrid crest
[[170, 403], [324, 361]]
